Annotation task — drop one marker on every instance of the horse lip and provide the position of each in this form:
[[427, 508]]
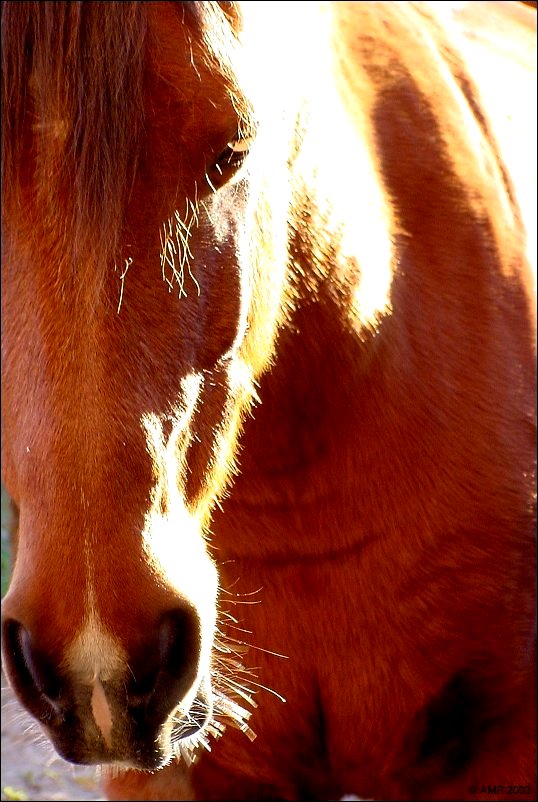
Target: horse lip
[[133, 745]]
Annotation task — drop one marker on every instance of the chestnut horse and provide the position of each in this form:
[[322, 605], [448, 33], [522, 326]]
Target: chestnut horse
[[268, 401]]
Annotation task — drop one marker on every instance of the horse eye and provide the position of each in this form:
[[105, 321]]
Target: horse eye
[[231, 159]]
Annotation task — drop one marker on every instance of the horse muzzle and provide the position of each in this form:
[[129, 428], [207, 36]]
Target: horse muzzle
[[138, 716]]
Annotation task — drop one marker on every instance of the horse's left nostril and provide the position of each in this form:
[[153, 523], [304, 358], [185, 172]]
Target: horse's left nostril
[[155, 694], [179, 644]]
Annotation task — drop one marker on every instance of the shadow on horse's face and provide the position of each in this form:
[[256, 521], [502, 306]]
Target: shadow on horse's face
[[122, 401]]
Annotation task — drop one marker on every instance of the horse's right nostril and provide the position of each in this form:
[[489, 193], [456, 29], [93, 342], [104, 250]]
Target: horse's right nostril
[[155, 694], [31, 674]]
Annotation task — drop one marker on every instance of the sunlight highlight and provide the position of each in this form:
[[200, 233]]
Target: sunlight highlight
[[354, 219], [223, 466], [172, 534]]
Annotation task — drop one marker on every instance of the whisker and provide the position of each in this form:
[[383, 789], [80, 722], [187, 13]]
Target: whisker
[[265, 651]]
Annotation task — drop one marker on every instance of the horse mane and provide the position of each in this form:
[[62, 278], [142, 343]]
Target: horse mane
[[76, 76]]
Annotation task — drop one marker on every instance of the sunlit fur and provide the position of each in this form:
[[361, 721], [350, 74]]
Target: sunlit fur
[[270, 423]]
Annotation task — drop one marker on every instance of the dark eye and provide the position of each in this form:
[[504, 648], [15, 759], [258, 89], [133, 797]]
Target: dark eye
[[229, 161]]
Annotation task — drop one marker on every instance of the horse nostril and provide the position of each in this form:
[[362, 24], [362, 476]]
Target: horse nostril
[[179, 644], [33, 678], [158, 692]]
